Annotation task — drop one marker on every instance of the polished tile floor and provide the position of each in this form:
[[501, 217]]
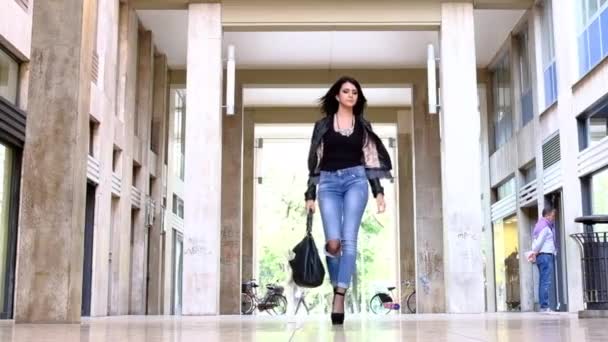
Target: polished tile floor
[[431, 328]]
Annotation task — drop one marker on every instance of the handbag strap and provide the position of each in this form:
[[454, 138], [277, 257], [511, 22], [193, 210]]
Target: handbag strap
[[309, 222]]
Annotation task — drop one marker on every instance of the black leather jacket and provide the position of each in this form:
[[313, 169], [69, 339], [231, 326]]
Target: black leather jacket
[[376, 159]]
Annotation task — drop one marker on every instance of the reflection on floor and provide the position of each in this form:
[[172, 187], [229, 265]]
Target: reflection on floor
[[431, 328]]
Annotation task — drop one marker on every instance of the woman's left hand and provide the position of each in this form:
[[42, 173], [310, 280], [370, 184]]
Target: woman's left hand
[[381, 204]]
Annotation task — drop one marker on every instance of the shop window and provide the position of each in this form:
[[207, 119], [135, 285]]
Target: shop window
[[506, 263]]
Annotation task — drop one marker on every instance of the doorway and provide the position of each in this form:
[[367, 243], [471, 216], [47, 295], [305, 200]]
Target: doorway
[[280, 177], [178, 264], [87, 269], [558, 297], [10, 171]]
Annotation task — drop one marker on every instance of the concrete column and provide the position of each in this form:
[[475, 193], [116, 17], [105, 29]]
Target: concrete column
[[565, 32], [145, 79], [104, 108], [460, 156], [50, 249], [248, 195], [526, 275], [427, 179], [407, 235], [160, 109], [202, 221], [126, 99], [486, 200], [232, 175]]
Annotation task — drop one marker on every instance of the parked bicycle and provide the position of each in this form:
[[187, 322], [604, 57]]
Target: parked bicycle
[[383, 302], [273, 302]]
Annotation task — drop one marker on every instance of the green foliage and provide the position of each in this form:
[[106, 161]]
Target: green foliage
[[281, 223]]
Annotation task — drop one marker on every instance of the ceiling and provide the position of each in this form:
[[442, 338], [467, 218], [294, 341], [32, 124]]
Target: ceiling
[[327, 49]]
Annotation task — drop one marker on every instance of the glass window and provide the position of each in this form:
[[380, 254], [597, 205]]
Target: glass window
[[6, 164], [178, 206], [501, 89], [527, 110], [9, 76], [529, 173], [506, 189], [599, 197], [596, 127], [548, 53], [592, 25], [179, 132]]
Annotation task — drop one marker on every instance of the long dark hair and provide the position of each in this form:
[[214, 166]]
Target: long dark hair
[[329, 104]]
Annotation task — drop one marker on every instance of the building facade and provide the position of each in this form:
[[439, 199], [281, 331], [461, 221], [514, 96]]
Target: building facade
[[127, 189]]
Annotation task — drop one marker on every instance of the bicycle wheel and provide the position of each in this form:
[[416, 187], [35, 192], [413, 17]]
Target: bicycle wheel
[[377, 305], [411, 302], [247, 304], [279, 304]]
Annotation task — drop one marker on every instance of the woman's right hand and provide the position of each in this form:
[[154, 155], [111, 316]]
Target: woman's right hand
[[310, 206]]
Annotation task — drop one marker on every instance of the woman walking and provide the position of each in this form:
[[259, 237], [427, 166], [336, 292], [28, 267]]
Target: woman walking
[[345, 154]]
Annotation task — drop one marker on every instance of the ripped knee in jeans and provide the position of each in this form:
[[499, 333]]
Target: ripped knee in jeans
[[333, 247]]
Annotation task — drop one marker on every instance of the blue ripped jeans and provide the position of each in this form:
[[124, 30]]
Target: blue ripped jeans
[[342, 198]]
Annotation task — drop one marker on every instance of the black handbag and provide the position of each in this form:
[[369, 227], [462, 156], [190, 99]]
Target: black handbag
[[307, 268]]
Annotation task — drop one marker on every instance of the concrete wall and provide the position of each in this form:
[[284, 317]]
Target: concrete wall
[[575, 94], [103, 109], [16, 28], [125, 84]]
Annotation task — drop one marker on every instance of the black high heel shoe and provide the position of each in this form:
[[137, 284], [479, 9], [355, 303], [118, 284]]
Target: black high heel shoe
[[337, 318]]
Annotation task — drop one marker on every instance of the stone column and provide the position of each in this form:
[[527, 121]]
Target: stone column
[[50, 248], [202, 221], [460, 156]]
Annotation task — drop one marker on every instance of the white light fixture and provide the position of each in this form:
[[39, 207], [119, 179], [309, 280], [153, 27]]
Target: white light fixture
[[230, 75], [431, 79]]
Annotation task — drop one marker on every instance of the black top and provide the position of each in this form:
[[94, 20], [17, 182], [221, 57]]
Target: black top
[[341, 152]]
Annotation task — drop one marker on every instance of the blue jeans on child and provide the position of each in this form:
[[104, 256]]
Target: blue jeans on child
[[342, 197]]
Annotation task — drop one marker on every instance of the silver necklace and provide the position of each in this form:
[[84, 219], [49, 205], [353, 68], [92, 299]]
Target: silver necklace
[[344, 131]]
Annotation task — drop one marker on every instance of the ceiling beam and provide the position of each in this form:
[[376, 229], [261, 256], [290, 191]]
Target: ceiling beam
[[166, 4], [503, 4], [183, 4]]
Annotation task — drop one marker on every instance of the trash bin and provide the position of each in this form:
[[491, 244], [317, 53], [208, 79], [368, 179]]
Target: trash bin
[[594, 262]]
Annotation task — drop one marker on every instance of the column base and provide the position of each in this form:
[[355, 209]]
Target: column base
[[593, 314]]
